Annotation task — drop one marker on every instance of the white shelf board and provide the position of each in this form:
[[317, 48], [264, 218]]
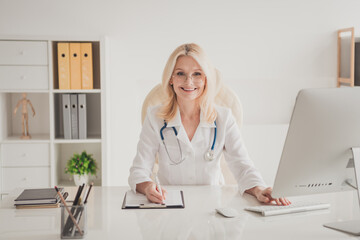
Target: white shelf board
[[87, 140], [23, 91], [77, 91], [35, 138], [85, 38]]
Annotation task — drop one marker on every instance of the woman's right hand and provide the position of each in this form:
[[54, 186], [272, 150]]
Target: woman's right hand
[[151, 192]]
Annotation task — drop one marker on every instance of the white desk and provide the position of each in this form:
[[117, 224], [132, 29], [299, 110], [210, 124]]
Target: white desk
[[106, 219]]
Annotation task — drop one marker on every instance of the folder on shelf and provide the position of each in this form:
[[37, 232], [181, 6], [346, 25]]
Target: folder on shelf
[[82, 116], [86, 66], [63, 65], [75, 68], [174, 199], [66, 111], [74, 116]]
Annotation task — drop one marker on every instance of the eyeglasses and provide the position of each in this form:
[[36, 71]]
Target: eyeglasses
[[196, 77]]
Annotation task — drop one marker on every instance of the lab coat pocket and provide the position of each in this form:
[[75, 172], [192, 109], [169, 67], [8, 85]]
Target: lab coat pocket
[[171, 153], [170, 165]]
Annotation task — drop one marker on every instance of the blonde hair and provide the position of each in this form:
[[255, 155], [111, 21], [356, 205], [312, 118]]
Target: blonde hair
[[206, 100]]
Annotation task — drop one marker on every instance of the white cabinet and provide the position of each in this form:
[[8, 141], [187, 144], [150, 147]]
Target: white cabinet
[[30, 66], [24, 53], [20, 154], [28, 177], [24, 77]]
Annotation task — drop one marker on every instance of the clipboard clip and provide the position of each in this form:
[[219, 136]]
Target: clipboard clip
[[152, 205]]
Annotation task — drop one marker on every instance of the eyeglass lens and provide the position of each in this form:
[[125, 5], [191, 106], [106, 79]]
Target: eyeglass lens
[[195, 77]]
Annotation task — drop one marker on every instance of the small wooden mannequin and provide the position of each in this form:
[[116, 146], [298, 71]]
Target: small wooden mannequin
[[24, 112]]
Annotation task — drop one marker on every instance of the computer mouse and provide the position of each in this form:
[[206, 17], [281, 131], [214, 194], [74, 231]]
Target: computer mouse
[[227, 212]]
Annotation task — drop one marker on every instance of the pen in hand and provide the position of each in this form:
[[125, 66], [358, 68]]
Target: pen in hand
[[159, 187]]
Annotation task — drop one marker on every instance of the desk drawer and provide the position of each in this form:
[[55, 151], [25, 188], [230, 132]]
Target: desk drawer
[[24, 77], [23, 53], [30, 154], [25, 178]]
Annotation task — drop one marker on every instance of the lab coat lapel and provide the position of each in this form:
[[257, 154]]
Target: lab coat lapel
[[176, 122], [183, 137], [203, 126]]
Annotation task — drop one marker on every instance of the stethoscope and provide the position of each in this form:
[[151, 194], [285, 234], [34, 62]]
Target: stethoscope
[[209, 155]]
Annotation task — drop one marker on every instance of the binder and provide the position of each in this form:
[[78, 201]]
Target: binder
[[174, 199], [74, 116], [86, 66], [66, 115], [82, 116], [63, 65], [75, 69]]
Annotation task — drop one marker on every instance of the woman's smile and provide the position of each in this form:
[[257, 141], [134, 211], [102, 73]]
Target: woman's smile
[[188, 90]]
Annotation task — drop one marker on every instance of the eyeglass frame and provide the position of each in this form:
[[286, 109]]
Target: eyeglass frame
[[203, 76]]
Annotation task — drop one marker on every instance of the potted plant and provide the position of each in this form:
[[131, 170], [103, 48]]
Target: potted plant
[[80, 166]]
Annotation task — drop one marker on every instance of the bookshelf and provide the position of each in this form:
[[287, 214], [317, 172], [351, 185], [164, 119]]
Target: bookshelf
[[346, 40], [29, 65]]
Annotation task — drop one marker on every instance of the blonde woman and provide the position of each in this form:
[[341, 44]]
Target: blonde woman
[[189, 133]]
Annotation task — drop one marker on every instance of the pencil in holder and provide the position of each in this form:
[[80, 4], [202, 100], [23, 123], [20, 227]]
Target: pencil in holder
[[73, 226]]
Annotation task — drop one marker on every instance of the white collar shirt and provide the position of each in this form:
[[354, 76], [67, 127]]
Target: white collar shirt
[[194, 169]]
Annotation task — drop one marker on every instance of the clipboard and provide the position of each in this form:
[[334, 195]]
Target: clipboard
[[175, 199]]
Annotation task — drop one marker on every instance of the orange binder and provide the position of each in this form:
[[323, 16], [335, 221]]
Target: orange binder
[[63, 65], [86, 66], [75, 69]]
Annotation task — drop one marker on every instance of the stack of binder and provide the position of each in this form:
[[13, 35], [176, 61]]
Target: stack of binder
[[38, 198], [74, 116], [75, 65]]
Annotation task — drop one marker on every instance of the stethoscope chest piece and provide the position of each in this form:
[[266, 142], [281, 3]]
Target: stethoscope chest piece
[[210, 155]]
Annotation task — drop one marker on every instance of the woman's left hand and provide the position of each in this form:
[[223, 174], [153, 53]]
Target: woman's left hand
[[264, 195]]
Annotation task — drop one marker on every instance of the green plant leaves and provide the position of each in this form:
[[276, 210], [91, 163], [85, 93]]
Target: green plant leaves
[[81, 164]]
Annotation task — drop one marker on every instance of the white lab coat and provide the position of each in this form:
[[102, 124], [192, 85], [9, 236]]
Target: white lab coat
[[194, 170]]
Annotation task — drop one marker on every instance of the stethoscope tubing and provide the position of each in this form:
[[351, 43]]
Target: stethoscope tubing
[[209, 155]]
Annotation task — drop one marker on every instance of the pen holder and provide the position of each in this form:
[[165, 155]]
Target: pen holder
[[70, 230]]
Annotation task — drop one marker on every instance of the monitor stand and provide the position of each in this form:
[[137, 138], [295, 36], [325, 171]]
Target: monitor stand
[[353, 226]]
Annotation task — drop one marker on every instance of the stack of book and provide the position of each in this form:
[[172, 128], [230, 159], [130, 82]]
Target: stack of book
[[39, 198]]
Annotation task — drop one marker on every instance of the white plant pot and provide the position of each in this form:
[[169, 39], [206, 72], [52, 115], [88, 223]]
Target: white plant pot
[[81, 179]]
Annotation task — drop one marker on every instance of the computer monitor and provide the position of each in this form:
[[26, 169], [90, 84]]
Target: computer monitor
[[322, 140]]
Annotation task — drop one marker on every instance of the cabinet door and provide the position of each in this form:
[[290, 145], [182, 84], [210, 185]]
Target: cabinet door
[[24, 77], [25, 178], [21, 155], [23, 53]]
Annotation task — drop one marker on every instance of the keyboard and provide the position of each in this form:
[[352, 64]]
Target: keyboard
[[271, 210]]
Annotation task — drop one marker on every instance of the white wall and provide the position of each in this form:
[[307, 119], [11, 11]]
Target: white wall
[[266, 50]]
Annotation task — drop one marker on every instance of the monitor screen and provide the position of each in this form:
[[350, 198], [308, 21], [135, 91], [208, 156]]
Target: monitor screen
[[317, 155]]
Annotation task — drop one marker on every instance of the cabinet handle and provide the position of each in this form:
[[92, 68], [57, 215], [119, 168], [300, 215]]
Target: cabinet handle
[[23, 155], [22, 52], [22, 77], [24, 179]]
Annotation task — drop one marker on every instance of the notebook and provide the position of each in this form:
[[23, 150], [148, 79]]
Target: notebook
[[174, 199], [32, 206], [38, 196]]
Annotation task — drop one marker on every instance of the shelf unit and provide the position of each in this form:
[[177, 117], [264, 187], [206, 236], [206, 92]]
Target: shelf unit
[[29, 65], [346, 40]]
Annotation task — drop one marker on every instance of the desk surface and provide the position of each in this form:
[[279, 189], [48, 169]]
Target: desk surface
[[106, 219]]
